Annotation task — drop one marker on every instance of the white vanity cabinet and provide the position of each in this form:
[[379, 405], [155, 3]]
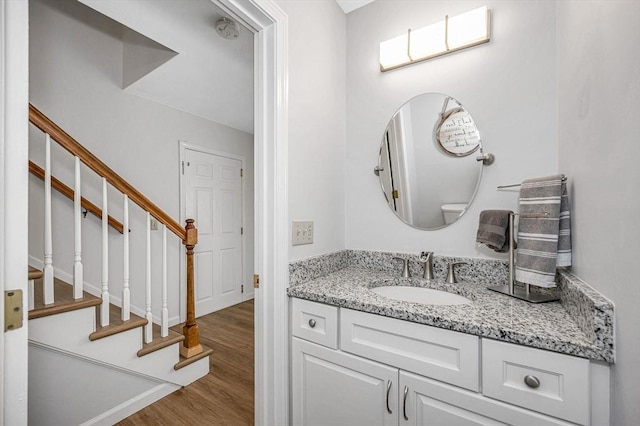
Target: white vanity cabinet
[[375, 370]]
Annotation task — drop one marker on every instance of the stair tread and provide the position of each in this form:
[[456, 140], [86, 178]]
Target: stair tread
[[116, 325], [64, 301], [187, 361], [159, 342], [34, 273]]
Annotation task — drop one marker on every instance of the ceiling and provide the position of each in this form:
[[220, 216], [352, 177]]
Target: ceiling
[[173, 55], [350, 5]]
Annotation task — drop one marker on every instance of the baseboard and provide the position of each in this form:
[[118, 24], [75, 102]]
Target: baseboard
[[132, 406], [97, 291]]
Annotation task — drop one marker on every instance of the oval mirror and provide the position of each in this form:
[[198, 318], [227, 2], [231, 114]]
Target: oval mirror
[[427, 167]]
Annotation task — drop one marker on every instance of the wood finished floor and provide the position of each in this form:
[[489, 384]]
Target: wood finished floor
[[225, 395]]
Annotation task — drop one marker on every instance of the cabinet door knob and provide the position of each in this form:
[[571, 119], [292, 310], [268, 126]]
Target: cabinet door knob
[[404, 405], [388, 391], [531, 381], [312, 323]]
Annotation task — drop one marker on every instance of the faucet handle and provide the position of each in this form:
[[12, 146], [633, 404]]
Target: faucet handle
[[451, 275], [426, 258], [405, 269]]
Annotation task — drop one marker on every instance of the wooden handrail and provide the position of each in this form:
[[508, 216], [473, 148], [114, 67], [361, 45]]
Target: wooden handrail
[[43, 123], [69, 193]]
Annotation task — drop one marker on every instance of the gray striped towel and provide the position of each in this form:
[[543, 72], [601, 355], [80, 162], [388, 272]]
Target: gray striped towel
[[544, 243]]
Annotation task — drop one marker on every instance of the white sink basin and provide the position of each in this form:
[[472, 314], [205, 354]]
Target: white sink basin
[[425, 296]]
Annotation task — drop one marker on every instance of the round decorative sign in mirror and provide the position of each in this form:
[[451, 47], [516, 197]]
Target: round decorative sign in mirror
[[427, 174], [457, 133]]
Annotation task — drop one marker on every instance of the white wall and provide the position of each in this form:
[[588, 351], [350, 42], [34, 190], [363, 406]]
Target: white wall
[[58, 384], [599, 147], [76, 75], [317, 37], [508, 86]]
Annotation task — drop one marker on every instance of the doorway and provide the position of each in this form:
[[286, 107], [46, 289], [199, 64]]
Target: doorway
[[269, 24]]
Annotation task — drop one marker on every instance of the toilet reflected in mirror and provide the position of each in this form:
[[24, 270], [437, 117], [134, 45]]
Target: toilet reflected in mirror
[[451, 212]]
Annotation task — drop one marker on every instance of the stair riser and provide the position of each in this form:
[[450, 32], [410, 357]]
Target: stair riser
[[69, 332]]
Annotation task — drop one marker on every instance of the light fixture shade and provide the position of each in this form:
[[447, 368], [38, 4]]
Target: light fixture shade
[[428, 41], [394, 52], [468, 29], [454, 33]]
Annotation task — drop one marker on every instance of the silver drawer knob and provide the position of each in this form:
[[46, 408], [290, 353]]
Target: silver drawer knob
[[312, 323], [531, 381]]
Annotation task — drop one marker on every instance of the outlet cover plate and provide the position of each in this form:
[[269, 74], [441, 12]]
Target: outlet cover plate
[[302, 232]]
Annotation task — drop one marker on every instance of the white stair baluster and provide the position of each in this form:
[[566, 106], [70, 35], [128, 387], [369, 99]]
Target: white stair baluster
[[77, 220], [126, 297], [48, 238], [32, 299], [104, 308], [148, 330], [165, 310]]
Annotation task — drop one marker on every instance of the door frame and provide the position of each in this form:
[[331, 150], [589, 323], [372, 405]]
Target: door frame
[[14, 135], [270, 25], [271, 141], [184, 145]]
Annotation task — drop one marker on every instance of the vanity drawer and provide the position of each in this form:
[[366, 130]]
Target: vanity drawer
[[536, 379], [315, 322], [440, 354]]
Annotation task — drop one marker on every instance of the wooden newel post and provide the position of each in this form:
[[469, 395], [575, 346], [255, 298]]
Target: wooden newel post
[[191, 345]]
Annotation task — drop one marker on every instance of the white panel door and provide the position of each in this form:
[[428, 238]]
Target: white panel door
[[213, 188]]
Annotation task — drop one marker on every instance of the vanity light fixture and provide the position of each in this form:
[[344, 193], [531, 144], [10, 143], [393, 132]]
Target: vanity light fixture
[[454, 33]]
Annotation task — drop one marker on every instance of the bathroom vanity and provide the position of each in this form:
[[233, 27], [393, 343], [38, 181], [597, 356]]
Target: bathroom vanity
[[361, 358]]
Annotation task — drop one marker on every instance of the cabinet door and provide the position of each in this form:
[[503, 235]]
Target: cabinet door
[[429, 402], [330, 387]]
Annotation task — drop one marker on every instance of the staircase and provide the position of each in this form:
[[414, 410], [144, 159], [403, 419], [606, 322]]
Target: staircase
[[91, 359]]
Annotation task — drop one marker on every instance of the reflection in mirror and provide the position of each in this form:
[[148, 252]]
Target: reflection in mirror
[[428, 175]]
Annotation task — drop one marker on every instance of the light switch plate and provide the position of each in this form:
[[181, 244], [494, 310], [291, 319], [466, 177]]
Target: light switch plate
[[302, 232]]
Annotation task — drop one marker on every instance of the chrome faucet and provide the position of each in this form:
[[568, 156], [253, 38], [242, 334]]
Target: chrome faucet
[[451, 275], [426, 259], [405, 269]]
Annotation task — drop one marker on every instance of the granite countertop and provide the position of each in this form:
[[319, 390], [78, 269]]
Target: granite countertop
[[491, 315]]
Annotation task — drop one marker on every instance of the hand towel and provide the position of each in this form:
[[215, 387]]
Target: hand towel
[[493, 229], [544, 242]]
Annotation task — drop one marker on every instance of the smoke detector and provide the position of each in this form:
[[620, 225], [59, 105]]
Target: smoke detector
[[228, 29]]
